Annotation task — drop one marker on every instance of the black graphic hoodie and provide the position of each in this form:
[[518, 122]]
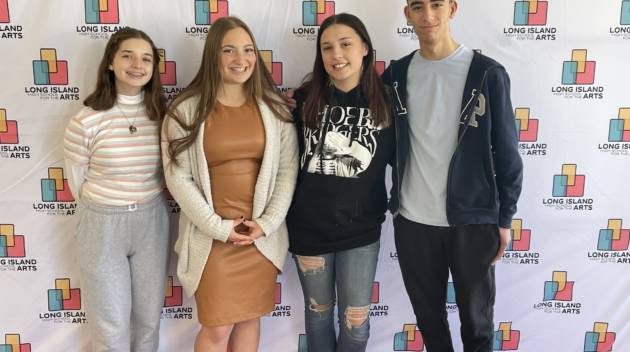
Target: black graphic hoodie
[[341, 198]]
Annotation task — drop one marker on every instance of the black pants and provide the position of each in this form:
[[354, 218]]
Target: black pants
[[426, 253]]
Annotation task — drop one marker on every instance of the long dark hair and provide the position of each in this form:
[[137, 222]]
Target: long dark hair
[[316, 84], [104, 95], [208, 81]]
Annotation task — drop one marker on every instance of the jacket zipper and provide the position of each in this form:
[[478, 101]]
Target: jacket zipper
[[396, 128], [474, 99], [450, 164]]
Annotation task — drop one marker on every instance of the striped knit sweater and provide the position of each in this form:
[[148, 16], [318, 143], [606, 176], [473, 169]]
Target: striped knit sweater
[[105, 162]]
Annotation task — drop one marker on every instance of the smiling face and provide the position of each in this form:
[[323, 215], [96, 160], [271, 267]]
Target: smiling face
[[431, 19], [238, 57], [132, 66], [342, 55]]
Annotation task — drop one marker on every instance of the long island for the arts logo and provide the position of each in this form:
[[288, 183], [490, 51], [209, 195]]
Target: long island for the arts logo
[[623, 29], [612, 244], [13, 342], [519, 250], [64, 304], [4, 11], [280, 309], [50, 78], [506, 339], [527, 129], [378, 308], [409, 339], [618, 134], [600, 339], [102, 18], [530, 22], [206, 13], [578, 78], [568, 191], [56, 197], [274, 67], [8, 129], [313, 14], [13, 251], [8, 30], [173, 307], [10, 146], [168, 76], [451, 299], [558, 296]]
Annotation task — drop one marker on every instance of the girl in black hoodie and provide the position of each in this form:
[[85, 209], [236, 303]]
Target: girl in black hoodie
[[334, 223]]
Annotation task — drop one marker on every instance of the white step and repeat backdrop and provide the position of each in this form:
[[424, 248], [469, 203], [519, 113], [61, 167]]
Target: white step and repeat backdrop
[[562, 286]]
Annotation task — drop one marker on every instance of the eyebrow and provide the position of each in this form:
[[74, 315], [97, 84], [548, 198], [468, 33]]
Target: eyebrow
[[234, 46], [131, 52], [343, 38], [417, 2]]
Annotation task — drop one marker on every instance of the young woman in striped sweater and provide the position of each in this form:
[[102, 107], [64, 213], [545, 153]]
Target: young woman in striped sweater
[[112, 155]]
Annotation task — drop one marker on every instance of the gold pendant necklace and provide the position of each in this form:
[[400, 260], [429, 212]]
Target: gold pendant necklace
[[132, 128]]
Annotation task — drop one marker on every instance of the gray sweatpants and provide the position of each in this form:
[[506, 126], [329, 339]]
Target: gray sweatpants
[[123, 259]]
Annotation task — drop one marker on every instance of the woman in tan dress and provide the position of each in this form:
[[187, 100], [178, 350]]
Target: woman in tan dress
[[230, 160]]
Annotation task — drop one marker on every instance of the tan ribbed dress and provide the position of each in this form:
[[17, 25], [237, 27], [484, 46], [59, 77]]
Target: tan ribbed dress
[[238, 282]]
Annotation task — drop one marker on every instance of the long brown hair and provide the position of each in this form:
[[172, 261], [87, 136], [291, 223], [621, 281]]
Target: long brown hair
[[208, 81], [316, 85], [104, 95]]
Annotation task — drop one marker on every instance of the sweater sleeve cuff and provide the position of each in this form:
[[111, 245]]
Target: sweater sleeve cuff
[[264, 225], [224, 231], [505, 220]]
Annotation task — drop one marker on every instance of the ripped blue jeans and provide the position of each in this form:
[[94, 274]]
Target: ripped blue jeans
[[346, 277]]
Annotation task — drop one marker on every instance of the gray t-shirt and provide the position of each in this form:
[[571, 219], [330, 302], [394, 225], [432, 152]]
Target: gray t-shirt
[[434, 99]]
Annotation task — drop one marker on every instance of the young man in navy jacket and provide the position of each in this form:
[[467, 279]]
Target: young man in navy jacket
[[457, 179]]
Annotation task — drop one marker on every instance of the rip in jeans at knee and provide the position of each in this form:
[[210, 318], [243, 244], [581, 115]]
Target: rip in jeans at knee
[[319, 308], [356, 316], [311, 265]]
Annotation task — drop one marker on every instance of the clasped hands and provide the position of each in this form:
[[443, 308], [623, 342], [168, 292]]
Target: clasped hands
[[244, 232]]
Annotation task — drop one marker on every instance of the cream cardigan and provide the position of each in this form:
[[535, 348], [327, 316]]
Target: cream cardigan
[[189, 183]]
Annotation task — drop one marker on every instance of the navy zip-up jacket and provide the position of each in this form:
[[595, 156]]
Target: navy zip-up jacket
[[486, 171]]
